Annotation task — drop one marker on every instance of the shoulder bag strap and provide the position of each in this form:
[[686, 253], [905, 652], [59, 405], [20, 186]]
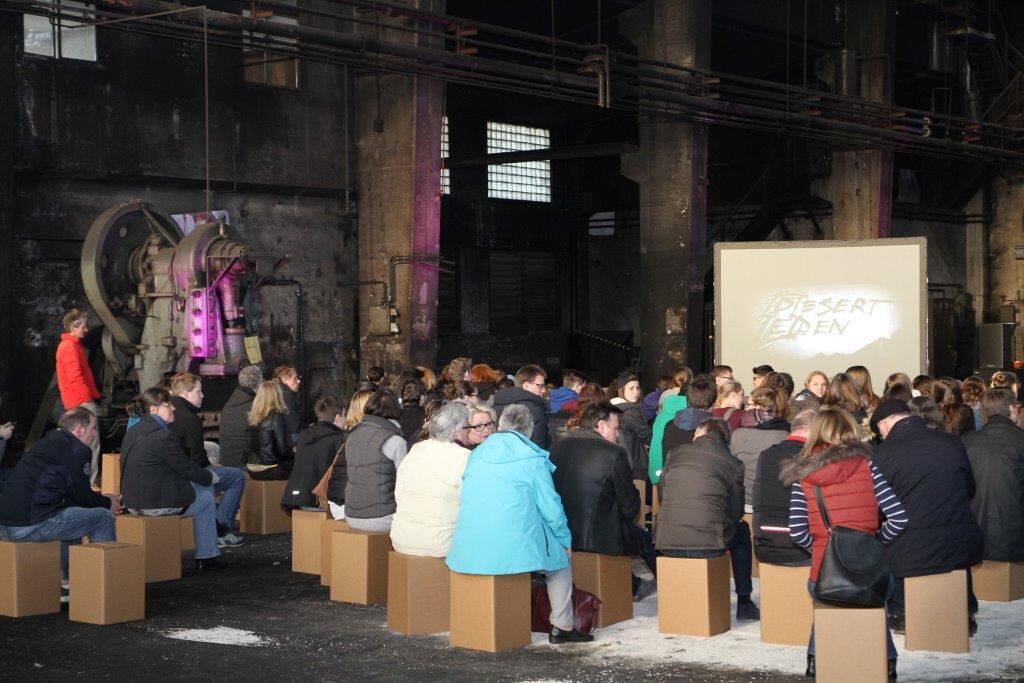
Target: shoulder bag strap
[[822, 509]]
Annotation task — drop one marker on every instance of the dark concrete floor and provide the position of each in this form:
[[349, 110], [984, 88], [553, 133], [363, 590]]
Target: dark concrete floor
[[312, 639]]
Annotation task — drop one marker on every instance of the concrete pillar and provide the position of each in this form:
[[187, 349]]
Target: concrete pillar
[[860, 187], [1005, 233], [8, 120], [398, 138], [671, 170]]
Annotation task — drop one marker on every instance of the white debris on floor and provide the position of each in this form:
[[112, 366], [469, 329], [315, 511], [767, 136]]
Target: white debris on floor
[[219, 635], [997, 648]]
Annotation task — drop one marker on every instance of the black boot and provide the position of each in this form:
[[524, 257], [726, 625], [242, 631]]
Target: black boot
[[560, 637], [810, 667], [207, 564], [892, 669], [746, 610]]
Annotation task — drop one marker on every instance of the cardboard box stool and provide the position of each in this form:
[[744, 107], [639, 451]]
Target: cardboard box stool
[[693, 596], [419, 594]]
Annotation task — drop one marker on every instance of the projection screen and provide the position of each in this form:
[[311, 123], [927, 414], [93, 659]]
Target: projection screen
[[803, 306]]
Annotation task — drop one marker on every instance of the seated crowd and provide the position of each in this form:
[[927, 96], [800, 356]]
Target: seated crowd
[[506, 475]]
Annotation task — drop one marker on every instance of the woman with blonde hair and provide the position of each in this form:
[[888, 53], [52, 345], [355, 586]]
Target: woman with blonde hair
[[269, 455], [768, 410], [834, 463], [482, 422], [339, 474], [862, 379], [811, 396], [429, 378], [843, 394], [729, 404]]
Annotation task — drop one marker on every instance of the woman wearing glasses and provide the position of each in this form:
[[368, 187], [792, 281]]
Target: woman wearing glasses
[[479, 425]]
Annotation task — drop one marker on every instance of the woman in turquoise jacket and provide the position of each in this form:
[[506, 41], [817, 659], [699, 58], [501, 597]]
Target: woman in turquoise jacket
[[511, 519]]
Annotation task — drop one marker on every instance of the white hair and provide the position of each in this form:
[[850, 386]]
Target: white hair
[[449, 418], [517, 418]]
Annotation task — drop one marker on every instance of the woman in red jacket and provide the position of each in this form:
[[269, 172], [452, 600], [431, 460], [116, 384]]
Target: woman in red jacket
[[74, 377], [836, 462]]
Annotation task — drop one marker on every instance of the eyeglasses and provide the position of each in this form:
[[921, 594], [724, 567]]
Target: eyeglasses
[[480, 427], [536, 384]]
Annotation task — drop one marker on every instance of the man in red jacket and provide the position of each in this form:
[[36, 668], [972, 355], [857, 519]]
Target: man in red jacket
[[74, 377]]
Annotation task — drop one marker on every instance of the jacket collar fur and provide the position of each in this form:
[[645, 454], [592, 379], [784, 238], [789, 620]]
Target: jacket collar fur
[[798, 469]]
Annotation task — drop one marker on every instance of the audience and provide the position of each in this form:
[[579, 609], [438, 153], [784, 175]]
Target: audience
[[680, 378], [233, 430], [729, 404], [701, 512], [339, 473], [529, 392], [511, 519], [413, 414], [634, 432], [768, 408], [700, 395], [290, 381], [158, 479], [318, 446], [374, 450], [813, 393], [595, 481], [566, 398], [428, 484], [269, 456], [481, 423]]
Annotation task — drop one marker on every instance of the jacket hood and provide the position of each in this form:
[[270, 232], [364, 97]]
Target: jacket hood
[[510, 395], [846, 456], [240, 396], [510, 446], [562, 394], [688, 418], [318, 431]]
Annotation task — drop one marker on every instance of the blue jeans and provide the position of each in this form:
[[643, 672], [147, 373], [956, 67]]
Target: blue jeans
[[203, 510], [741, 554], [67, 526], [889, 645], [232, 485]]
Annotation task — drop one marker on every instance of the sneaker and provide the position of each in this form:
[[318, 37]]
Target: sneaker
[[746, 610], [229, 540], [646, 588], [65, 595], [560, 637]]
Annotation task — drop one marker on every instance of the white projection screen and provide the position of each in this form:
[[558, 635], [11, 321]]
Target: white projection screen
[[827, 305]]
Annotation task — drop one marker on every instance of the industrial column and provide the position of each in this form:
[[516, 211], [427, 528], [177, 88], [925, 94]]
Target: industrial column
[[8, 121], [398, 133], [671, 169]]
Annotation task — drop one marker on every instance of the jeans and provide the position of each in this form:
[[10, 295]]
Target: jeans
[[67, 526], [897, 607], [890, 647], [559, 585], [232, 485], [203, 510], [740, 552]]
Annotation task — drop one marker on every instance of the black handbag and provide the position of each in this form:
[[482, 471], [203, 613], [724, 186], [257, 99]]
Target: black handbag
[[853, 571]]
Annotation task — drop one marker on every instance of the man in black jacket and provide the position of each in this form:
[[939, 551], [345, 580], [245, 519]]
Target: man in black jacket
[[318, 445], [48, 497], [772, 543], [996, 452], [929, 472], [592, 476], [187, 398], [528, 391], [234, 436]]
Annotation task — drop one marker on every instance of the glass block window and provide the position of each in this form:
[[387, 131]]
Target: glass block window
[[526, 180], [446, 179], [60, 38], [264, 67]]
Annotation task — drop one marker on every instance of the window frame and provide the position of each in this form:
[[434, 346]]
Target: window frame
[[250, 44], [57, 28], [537, 173]]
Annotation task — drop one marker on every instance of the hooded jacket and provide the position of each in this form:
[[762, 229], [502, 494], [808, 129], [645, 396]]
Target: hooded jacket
[[537, 406], [701, 497], [234, 435], [996, 452], [748, 443], [155, 472], [51, 476], [593, 479], [634, 436], [563, 398], [510, 519], [930, 472], [679, 431], [318, 444], [670, 406]]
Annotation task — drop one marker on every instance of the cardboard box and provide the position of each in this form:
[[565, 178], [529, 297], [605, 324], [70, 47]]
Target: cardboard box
[[110, 474], [693, 596], [108, 583], [188, 535], [936, 610], [610, 578], [261, 511], [161, 539], [359, 567], [787, 611], [29, 578], [849, 644], [419, 594], [490, 613], [306, 541], [998, 581], [327, 529]]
